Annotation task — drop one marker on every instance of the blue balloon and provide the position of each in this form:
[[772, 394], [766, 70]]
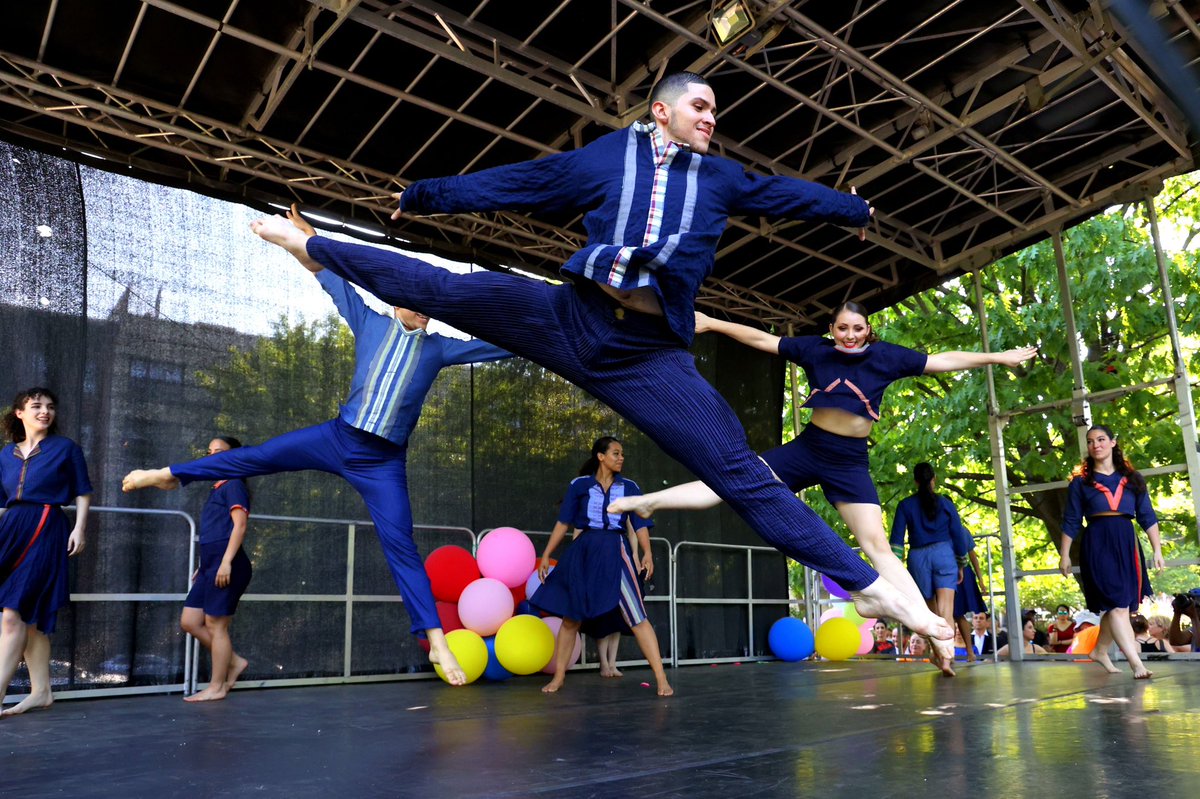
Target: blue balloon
[[494, 670], [791, 640]]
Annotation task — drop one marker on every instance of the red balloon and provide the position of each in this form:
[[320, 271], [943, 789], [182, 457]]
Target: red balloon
[[448, 614], [424, 644], [518, 593], [450, 570]]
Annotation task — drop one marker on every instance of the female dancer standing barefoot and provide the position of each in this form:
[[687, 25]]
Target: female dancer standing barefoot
[[222, 578], [1108, 492], [596, 579], [39, 471], [847, 375]]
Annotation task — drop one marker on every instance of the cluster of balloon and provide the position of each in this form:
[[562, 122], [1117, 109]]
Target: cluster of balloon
[[490, 627]]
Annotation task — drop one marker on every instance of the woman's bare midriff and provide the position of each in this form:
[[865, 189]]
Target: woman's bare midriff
[[842, 423]]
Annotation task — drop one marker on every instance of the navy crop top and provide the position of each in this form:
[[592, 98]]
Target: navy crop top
[[852, 382]]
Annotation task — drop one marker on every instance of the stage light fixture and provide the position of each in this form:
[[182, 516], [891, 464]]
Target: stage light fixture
[[730, 20]]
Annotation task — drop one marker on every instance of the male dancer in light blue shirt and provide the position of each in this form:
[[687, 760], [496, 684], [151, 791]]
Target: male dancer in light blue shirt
[[396, 362]]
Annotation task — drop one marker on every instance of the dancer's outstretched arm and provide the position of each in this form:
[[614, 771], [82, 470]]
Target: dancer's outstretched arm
[[744, 334], [956, 361]]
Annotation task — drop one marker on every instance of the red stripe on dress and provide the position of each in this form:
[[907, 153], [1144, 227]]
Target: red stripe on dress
[[36, 535]]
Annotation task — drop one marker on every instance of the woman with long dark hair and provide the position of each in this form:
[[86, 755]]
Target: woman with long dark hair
[[847, 373], [222, 578], [596, 579], [1108, 493], [39, 472], [937, 542]]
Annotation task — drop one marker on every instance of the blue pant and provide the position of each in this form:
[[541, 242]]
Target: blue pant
[[374, 466], [629, 361]]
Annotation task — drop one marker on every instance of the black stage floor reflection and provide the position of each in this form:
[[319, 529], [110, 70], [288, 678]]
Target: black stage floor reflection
[[756, 730]]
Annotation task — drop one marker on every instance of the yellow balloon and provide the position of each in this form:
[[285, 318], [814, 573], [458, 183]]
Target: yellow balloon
[[524, 644], [838, 639], [469, 650]]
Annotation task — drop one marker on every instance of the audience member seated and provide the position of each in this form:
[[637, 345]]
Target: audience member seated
[[1029, 631], [981, 634], [1187, 606], [1141, 634], [1087, 629], [882, 645], [1061, 631]]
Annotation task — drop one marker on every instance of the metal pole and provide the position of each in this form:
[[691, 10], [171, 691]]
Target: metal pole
[[1183, 388], [996, 424], [1081, 409]]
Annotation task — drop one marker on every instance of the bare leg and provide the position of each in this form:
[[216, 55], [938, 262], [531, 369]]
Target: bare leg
[[291, 237], [1121, 630], [37, 661], [943, 605], [149, 478], [222, 655], [882, 600], [686, 496], [191, 621], [964, 629], [566, 647], [1104, 640], [440, 654], [13, 634], [607, 648], [643, 632]]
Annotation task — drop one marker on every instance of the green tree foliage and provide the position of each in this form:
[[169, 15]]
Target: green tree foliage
[[1123, 338]]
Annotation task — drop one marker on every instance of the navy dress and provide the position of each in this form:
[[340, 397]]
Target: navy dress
[[968, 598], [216, 526], [1112, 567], [595, 581], [34, 530]]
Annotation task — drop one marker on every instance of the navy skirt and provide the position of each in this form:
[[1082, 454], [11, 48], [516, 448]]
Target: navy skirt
[[205, 594], [1111, 565], [967, 596], [33, 563], [592, 580]]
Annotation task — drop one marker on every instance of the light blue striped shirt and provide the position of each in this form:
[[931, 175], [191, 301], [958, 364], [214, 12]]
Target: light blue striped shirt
[[394, 367]]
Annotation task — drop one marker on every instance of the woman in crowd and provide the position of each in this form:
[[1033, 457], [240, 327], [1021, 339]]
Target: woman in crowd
[[222, 578], [847, 373], [1109, 493], [596, 579], [39, 472]]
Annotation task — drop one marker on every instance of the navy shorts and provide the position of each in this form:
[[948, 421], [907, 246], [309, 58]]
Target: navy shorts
[[933, 567], [205, 594], [817, 457]]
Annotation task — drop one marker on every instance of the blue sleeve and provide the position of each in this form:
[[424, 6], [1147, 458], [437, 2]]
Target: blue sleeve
[[455, 351], [547, 184], [903, 362], [632, 489], [349, 304], [799, 349], [1144, 512], [80, 484], [958, 534], [899, 527], [793, 198], [237, 495], [1073, 515], [569, 510]]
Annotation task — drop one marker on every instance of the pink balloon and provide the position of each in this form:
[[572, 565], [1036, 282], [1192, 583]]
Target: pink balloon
[[554, 623], [866, 630], [506, 554], [834, 612], [484, 605]]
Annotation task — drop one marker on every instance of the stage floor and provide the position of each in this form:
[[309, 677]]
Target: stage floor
[[772, 729]]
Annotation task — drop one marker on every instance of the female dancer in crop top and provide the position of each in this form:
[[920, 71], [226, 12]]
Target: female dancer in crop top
[[847, 376], [1108, 492]]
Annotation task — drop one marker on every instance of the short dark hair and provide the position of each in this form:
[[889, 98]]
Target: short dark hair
[[232, 442], [671, 86], [13, 426]]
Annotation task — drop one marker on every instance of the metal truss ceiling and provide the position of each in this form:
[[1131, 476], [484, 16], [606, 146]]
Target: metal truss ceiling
[[974, 128]]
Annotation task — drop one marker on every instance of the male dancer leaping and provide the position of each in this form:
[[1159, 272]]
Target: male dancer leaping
[[396, 362], [656, 205]]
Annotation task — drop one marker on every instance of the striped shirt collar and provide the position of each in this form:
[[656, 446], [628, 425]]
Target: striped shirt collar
[[660, 148]]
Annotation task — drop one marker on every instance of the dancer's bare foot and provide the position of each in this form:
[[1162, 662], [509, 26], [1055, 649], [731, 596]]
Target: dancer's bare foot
[[237, 664], [289, 236], [1142, 673], [1101, 656], [943, 655], [882, 600], [971, 657], [149, 478], [553, 686], [613, 672], [213, 693], [440, 655], [38, 701], [664, 687], [641, 505]]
